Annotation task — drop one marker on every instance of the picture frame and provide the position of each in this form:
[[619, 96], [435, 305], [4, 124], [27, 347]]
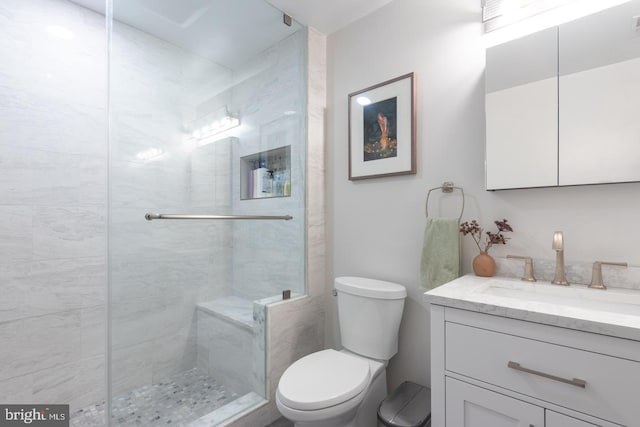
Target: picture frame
[[382, 140]]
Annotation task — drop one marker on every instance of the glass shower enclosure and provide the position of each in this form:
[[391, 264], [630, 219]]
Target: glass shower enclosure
[[152, 159]]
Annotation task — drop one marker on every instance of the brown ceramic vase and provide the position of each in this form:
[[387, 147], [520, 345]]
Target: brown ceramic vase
[[484, 265]]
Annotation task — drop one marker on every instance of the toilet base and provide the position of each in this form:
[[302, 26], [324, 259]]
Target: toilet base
[[366, 414]]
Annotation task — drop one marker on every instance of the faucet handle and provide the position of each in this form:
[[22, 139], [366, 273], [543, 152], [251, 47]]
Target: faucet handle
[[596, 275], [528, 267]]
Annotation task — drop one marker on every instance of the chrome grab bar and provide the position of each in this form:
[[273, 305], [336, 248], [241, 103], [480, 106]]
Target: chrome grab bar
[[152, 216], [575, 381]]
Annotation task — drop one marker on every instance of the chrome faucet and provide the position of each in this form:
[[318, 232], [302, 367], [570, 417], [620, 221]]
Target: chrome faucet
[[558, 246]]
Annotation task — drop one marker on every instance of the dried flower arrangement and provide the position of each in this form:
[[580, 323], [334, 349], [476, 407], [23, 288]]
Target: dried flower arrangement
[[475, 230]]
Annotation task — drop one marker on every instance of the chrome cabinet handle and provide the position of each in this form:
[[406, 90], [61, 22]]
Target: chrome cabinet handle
[[575, 381]]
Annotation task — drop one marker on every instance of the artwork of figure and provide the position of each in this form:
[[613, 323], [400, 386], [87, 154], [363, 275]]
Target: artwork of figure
[[380, 121]]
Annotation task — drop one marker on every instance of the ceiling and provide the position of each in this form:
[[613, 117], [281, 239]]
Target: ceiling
[[328, 16], [229, 32]]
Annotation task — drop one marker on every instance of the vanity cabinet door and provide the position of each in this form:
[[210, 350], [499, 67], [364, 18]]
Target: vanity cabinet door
[[555, 419], [471, 406]]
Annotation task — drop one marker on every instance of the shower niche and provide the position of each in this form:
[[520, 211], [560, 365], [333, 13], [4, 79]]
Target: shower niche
[[266, 174]]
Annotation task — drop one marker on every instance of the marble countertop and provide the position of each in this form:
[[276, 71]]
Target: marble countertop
[[614, 312]]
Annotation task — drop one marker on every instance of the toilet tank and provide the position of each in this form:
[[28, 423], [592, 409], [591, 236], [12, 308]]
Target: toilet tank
[[369, 313]]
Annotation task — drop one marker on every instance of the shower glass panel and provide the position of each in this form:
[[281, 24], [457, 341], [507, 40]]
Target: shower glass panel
[[206, 103]]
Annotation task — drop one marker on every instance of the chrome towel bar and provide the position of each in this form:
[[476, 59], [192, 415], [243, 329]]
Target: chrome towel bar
[[152, 216]]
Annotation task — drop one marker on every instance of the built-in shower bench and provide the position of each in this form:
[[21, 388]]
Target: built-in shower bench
[[225, 342], [230, 348], [231, 341], [233, 309]]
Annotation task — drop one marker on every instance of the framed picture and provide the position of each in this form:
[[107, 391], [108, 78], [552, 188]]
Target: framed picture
[[382, 129]]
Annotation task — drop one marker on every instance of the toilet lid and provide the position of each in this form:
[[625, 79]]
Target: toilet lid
[[323, 379]]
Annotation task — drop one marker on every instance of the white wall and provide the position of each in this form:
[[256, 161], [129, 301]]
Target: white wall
[[376, 225]]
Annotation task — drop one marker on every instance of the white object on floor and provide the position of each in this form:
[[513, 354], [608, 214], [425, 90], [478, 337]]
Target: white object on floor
[[343, 388]]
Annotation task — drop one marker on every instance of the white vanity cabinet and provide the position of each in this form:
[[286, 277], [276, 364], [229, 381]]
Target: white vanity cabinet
[[490, 370], [471, 406]]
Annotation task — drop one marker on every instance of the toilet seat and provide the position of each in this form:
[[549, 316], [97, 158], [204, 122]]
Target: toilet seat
[[323, 379]]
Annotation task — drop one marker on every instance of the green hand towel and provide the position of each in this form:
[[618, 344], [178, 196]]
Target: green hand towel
[[440, 252]]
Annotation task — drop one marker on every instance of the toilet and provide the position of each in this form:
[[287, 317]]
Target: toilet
[[343, 388]]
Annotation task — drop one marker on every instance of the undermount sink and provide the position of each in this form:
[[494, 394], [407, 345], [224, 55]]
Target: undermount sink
[[620, 301], [614, 311]]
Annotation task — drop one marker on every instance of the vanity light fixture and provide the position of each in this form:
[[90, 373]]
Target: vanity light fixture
[[211, 125]]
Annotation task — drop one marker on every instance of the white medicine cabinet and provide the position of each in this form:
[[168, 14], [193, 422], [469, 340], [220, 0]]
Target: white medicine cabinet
[[562, 104]]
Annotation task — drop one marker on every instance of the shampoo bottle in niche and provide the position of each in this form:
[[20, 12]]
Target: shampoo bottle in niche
[[286, 179], [263, 181], [278, 184], [266, 180], [258, 172], [251, 188]]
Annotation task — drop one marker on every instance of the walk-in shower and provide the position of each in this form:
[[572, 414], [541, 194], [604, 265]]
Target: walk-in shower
[[152, 181]]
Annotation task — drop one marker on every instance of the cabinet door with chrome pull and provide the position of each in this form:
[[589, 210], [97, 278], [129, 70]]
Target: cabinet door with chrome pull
[[471, 406]]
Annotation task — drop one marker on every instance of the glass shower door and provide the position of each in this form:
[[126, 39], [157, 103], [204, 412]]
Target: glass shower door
[[196, 117]]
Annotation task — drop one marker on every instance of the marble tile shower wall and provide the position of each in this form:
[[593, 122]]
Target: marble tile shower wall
[[160, 270], [53, 201], [270, 95]]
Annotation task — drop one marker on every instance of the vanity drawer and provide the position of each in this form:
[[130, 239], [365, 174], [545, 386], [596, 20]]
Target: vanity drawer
[[536, 368]]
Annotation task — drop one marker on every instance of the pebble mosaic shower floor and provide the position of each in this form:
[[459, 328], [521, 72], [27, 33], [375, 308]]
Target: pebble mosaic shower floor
[[177, 401]]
